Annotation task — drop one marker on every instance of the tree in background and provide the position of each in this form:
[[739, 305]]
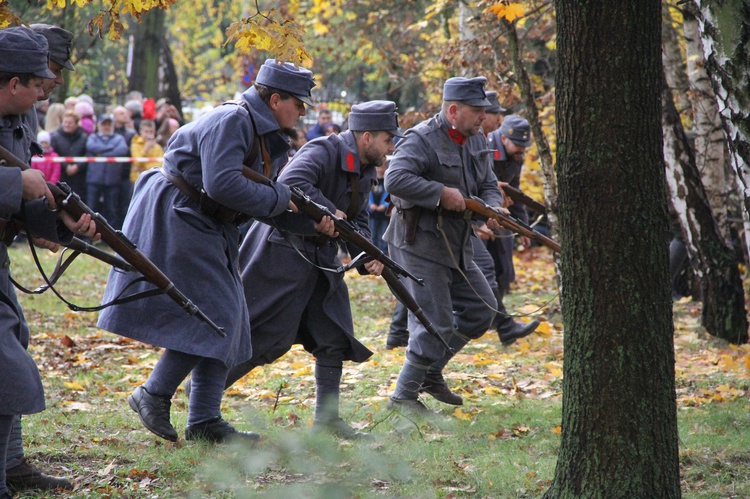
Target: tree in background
[[725, 32], [619, 429], [694, 176]]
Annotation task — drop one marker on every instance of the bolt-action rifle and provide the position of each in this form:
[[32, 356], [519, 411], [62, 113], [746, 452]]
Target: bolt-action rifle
[[71, 203], [350, 233], [521, 197], [479, 207]]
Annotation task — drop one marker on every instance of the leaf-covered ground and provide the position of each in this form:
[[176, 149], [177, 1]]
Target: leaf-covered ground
[[512, 403]]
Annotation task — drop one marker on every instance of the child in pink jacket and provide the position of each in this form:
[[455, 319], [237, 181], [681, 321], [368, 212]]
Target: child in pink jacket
[[51, 169]]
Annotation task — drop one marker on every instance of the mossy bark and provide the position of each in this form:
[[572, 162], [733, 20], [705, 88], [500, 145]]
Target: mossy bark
[[619, 429]]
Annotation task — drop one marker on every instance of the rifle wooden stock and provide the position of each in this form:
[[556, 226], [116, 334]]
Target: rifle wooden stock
[[479, 207], [520, 197], [349, 232], [71, 203]]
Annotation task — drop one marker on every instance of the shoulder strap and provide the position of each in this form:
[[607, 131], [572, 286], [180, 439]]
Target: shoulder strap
[[259, 142]]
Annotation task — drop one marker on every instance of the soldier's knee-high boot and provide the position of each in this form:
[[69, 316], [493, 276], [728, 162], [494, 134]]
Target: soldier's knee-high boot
[[434, 383], [327, 394], [508, 330], [406, 394]]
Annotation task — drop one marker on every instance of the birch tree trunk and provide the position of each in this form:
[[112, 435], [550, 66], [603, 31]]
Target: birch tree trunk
[[709, 133], [713, 261], [619, 421], [674, 61], [725, 31]]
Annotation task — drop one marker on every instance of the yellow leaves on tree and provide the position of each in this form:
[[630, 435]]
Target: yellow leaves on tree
[[7, 17], [506, 10], [282, 39]]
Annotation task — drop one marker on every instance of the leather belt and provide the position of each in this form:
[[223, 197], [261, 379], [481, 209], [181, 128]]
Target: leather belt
[[207, 205]]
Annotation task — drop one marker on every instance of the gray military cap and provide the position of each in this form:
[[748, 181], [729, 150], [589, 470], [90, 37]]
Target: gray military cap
[[24, 52], [288, 78], [517, 129], [470, 91], [375, 116], [60, 42], [494, 106]]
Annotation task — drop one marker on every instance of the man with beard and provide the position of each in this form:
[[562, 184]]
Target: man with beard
[[294, 292], [184, 218], [509, 143]]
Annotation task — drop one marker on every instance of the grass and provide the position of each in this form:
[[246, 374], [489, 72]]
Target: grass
[[501, 443]]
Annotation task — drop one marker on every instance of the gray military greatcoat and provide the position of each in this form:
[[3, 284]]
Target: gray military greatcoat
[[424, 162], [197, 252], [21, 389], [507, 170], [290, 300]]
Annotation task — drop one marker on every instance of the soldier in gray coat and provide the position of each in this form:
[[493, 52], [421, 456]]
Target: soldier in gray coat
[[509, 144], [438, 163], [184, 218], [294, 292], [24, 195]]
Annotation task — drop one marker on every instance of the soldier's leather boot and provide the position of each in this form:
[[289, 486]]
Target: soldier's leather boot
[[509, 330], [153, 411], [435, 385], [26, 476], [218, 431]]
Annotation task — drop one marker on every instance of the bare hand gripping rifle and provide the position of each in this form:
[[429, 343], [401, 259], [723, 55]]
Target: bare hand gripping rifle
[[71, 203], [350, 233], [479, 207]]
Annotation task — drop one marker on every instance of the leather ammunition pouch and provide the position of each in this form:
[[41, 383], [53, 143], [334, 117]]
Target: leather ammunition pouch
[[410, 217]]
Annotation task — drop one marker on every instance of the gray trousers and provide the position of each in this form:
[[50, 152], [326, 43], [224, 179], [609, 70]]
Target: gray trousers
[[483, 259], [454, 304], [14, 457]]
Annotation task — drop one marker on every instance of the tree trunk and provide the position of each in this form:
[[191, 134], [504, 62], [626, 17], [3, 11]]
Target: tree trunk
[[619, 426], [674, 61], [171, 84], [725, 30], [545, 152], [146, 54], [709, 133], [713, 261]]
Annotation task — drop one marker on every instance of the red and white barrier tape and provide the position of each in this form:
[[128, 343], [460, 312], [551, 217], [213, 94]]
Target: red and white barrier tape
[[83, 159]]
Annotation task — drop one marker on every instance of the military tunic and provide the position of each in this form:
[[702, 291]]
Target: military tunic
[[21, 389], [425, 161], [290, 300], [507, 170], [197, 252]]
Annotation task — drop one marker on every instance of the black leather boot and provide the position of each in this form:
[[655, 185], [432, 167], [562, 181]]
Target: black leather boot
[[509, 330], [26, 476], [435, 385], [153, 411], [218, 431]]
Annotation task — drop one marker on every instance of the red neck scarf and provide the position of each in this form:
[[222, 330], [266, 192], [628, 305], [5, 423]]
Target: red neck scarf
[[456, 136]]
